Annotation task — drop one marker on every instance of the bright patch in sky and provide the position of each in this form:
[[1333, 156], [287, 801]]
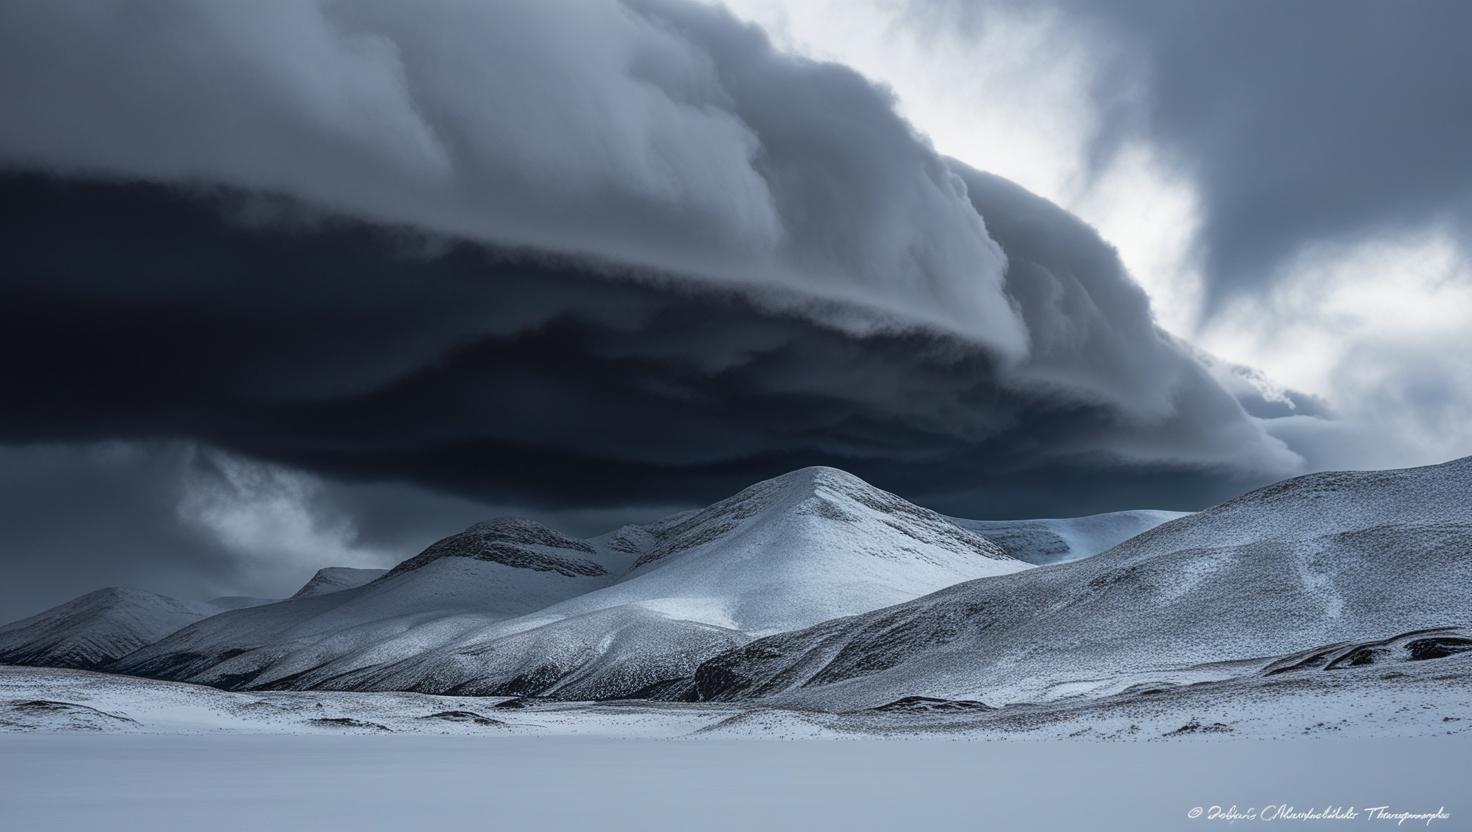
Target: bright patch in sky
[[1017, 92]]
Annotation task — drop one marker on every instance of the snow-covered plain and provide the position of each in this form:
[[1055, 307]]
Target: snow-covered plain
[[1294, 697], [240, 782], [81, 750]]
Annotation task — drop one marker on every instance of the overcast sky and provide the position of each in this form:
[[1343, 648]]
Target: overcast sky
[[297, 284]]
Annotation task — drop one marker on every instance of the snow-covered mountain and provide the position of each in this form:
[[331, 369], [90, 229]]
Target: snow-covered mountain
[[1062, 540], [513, 606], [488, 573], [334, 578], [801, 548], [1325, 558], [92, 630], [798, 549]]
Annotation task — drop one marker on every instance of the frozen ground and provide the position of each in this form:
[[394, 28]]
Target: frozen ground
[[1416, 699], [82, 750], [72, 781]]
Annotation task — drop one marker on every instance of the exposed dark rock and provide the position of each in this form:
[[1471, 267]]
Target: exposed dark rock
[[1196, 727], [464, 716], [1437, 648], [48, 706], [524, 544], [669, 690], [348, 722], [931, 705]]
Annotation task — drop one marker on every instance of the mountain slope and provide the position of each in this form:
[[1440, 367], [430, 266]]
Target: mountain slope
[[1314, 560], [488, 573], [491, 572], [534, 611], [92, 630], [1063, 540], [790, 551], [801, 548], [605, 654], [334, 578]]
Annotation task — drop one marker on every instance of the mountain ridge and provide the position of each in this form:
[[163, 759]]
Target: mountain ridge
[[786, 552], [94, 629], [1330, 557]]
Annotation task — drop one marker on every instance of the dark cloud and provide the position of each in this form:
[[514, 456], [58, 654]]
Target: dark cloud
[[194, 522], [1300, 123], [139, 313], [418, 388], [654, 134], [79, 518], [135, 312], [655, 263]]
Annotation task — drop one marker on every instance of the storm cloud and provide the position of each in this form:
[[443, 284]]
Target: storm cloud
[[343, 347], [652, 134], [1300, 124], [590, 261]]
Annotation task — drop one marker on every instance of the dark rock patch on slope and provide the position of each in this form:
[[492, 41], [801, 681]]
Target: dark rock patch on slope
[[518, 542]]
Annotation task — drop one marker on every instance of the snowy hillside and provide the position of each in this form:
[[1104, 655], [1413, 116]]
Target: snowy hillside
[[416, 609], [1412, 685], [610, 653], [801, 548], [1336, 557], [514, 606], [335, 578], [1063, 540], [92, 630], [837, 583], [804, 547]]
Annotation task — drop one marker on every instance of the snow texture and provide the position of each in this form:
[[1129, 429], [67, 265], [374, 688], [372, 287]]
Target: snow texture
[[1325, 558], [1043, 542], [513, 607], [1400, 693], [334, 578], [802, 601], [96, 628]]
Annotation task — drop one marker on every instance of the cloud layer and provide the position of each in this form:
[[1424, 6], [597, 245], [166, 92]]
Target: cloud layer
[[139, 312], [1287, 181], [653, 135], [1303, 123], [611, 257]]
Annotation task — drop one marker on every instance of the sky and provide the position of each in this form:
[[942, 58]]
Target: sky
[[303, 284]]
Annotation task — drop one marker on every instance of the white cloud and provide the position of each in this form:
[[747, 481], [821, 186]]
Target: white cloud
[[1382, 328], [270, 516], [1151, 215]]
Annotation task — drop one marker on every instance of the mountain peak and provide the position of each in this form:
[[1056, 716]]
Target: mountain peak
[[815, 478], [333, 578], [512, 541], [524, 530], [811, 497], [110, 596], [93, 629]]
